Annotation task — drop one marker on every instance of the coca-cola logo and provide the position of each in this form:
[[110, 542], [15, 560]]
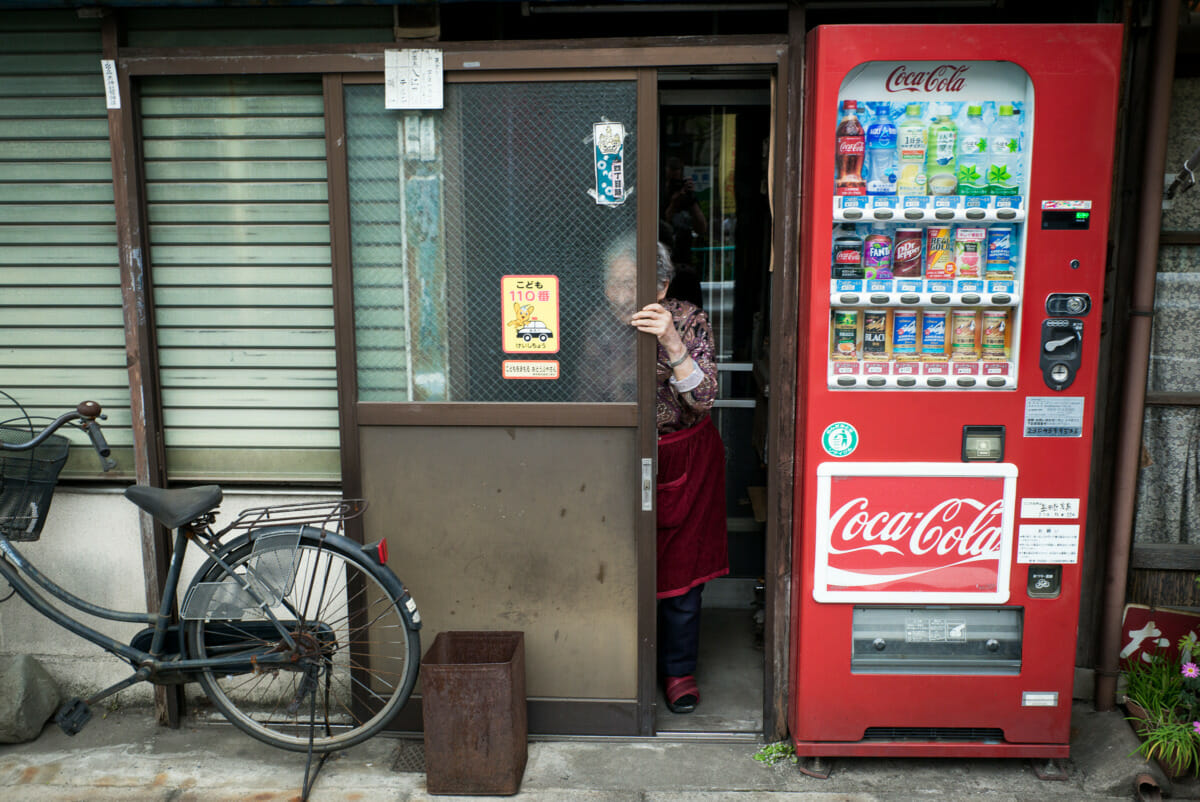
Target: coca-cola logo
[[849, 146], [943, 78], [929, 531], [954, 528], [909, 249], [848, 257]]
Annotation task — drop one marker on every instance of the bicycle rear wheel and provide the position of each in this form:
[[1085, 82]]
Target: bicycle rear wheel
[[358, 657]]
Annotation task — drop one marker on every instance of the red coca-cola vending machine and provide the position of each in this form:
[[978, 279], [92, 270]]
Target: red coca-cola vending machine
[[954, 240]]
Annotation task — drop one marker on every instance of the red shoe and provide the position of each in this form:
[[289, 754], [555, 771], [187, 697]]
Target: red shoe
[[682, 694]]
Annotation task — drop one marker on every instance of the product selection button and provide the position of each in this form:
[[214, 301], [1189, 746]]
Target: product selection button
[[880, 298], [1001, 299], [944, 214], [847, 381], [971, 299], [914, 214], [996, 381], [940, 298], [966, 381], [906, 381], [849, 299], [1001, 214], [852, 214], [976, 214], [910, 298], [876, 381], [936, 381], [884, 214]]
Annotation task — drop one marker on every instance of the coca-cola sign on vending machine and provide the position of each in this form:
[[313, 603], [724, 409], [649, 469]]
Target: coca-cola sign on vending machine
[[921, 532]]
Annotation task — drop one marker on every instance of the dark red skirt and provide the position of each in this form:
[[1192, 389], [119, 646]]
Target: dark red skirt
[[692, 539]]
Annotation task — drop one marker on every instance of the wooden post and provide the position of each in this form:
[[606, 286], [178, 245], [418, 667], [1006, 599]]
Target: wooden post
[[141, 354]]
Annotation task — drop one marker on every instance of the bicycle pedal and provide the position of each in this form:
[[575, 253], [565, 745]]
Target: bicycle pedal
[[73, 715]]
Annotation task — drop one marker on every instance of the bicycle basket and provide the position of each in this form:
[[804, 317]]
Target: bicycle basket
[[27, 480]]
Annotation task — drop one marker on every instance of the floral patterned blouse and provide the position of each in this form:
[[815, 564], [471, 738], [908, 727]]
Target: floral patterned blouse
[[675, 410]]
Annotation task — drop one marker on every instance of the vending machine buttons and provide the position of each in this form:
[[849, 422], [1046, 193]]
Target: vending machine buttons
[[1044, 582], [966, 381], [940, 298], [936, 381], [1001, 299], [976, 214], [906, 381], [971, 299]]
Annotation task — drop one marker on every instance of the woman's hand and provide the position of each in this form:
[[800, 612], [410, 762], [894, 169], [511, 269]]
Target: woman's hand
[[655, 319]]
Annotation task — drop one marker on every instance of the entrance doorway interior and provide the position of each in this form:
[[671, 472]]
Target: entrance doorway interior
[[714, 132]]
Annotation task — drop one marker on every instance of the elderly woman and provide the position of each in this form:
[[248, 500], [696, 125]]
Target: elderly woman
[[691, 482]]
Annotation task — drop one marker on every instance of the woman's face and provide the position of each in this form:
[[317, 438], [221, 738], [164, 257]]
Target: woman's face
[[620, 287]]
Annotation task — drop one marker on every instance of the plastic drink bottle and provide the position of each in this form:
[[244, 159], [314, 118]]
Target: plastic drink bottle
[[1004, 149], [941, 154], [912, 136], [973, 157], [851, 147], [881, 152]]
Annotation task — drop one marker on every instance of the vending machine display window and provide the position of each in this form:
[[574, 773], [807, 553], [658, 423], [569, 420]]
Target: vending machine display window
[[937, 640], [930, 197]]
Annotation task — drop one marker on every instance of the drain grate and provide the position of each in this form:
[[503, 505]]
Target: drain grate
[[409, 757]]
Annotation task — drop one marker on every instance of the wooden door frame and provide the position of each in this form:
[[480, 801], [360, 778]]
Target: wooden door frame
[[644, 56]]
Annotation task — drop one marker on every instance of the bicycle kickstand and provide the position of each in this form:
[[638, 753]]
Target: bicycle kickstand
[[76, 712], [310, 773]]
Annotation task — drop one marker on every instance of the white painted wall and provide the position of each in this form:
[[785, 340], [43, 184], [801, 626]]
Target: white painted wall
[[91, 546]]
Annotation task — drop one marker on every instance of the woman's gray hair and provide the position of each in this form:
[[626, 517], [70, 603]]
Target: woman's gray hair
[[665, 270], [626, 248]]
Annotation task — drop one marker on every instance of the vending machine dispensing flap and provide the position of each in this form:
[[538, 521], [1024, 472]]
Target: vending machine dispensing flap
[[1062, 349]]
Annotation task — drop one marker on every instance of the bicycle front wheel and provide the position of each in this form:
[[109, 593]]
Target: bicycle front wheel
[[358, 659]]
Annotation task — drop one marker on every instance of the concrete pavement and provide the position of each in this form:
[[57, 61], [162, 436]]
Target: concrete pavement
[[124, 756]]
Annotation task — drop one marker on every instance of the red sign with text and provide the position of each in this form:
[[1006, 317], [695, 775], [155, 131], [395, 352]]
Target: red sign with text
[[942, 535]]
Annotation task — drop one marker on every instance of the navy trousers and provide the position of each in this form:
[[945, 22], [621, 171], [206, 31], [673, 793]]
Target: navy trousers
[[679, 633]]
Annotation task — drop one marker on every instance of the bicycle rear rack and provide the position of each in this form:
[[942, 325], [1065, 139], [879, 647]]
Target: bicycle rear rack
[[322, 514]]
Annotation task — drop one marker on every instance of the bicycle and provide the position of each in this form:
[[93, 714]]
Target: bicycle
[[303, 638]]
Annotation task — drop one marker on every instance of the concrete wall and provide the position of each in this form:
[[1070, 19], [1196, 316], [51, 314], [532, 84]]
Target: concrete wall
[[92, 547]]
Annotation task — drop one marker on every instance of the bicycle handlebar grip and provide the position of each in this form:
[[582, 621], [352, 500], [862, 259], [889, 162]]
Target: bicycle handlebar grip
[[98, 440], [88, 409]]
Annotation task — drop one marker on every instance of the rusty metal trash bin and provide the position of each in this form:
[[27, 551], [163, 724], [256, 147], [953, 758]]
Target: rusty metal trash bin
[[473, 707]]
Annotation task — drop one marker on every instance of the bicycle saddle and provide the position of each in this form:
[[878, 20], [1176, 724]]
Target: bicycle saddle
[[174, 508]]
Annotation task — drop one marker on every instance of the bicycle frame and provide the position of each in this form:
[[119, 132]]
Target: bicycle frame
[[150, 664]]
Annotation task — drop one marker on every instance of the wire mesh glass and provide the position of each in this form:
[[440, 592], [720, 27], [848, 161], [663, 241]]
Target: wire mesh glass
[[27, 481], [444, 204]]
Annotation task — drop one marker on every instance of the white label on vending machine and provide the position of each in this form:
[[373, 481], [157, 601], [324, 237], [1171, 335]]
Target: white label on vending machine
[[1049, 508], [1048, 544], [1053, 417]]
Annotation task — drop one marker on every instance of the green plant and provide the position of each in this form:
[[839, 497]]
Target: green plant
[[773, 753], [1168, 693], [1174, 744], [1156, 686]]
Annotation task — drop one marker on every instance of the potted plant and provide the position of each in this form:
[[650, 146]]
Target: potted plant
[[1163, 699]]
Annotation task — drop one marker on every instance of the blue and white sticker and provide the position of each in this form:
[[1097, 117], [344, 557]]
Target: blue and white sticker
[[609, 145], [839, 439]]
